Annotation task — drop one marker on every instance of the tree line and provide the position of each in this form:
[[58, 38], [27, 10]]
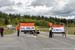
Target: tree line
[[14, 19]]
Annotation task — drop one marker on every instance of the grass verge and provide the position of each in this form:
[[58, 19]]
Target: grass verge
[[6, 32]]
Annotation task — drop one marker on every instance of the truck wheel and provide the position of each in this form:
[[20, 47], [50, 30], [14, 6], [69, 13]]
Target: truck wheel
[[24, 32], [38, 32]]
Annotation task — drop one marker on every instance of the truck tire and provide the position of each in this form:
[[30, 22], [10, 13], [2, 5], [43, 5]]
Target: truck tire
[[38, 32], [24, 32]]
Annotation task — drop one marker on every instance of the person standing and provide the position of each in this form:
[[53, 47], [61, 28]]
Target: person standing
[[35, 33], [18, 30], [1, 31], [50, 32]]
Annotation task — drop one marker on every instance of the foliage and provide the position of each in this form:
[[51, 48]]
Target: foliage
[[39, 20]]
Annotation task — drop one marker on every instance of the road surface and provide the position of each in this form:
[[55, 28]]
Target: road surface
[[41, 42]]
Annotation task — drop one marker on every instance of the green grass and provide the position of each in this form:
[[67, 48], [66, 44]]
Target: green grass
[[8, 31], [70, 30]]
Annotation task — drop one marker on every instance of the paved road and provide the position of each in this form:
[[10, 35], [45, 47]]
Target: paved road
[[41, 42]]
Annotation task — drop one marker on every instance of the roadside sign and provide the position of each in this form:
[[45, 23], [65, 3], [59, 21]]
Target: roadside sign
[[57, 27]]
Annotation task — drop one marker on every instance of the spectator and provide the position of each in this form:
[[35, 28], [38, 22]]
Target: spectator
[[17, 28], [50, 32], [1, 31]]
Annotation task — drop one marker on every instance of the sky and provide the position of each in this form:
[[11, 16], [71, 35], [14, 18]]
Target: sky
[[39, 7]]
